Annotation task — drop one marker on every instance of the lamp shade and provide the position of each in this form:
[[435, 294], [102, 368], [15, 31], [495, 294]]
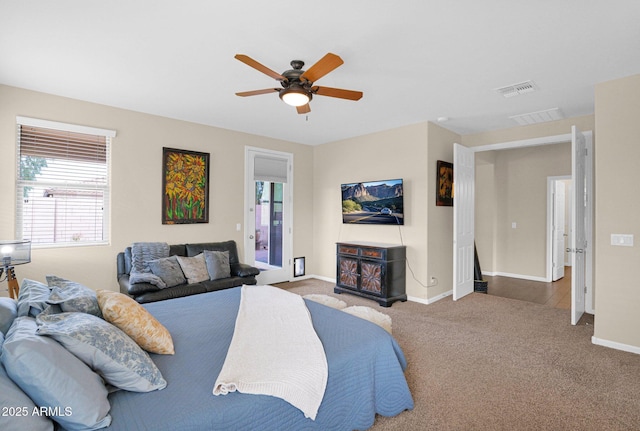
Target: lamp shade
[[15, 252]]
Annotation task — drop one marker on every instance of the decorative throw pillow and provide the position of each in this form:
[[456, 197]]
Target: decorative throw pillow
[[104, 348], [72, 296], [32, 299], [194, 268], [8, 312], [169, 270], [141, 254], [135, 321], [373, 316], [19, 407], [51, 376], [327, 300], [217, 264]]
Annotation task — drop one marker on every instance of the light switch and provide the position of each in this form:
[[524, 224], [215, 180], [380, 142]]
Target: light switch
[[625, 240], [238, 227], [514, 225]]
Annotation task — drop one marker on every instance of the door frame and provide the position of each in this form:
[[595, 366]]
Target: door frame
[[562, 139], [249, 213]]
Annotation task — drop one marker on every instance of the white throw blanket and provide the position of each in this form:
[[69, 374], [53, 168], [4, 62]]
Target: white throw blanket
[[275, 351]]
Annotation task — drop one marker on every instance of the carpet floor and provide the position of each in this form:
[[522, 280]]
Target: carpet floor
[[491, 363]]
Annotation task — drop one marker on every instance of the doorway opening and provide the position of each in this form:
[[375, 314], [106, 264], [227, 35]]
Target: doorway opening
[[269, 213], [268, 238], [581, 219]]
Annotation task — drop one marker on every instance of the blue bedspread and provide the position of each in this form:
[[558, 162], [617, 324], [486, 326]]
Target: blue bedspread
[[366, 374]]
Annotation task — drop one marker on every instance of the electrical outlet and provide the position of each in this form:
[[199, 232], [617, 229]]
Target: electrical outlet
[[625, 240]]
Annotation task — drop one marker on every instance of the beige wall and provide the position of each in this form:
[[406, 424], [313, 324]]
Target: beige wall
[[409, 153], [136, 183], [617, 209], [514, 184]]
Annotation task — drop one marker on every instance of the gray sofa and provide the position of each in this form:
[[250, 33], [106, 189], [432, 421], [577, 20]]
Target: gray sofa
[[146, 292]]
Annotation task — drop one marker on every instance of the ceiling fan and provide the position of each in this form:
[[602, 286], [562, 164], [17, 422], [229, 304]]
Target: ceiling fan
[[297, 84]]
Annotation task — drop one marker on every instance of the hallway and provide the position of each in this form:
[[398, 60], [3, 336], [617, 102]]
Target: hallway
[[556, 294]]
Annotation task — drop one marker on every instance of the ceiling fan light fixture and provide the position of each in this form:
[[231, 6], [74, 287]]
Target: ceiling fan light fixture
[[295, 95]]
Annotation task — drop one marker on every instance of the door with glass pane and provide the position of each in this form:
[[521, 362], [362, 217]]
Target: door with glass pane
[[268, 214]]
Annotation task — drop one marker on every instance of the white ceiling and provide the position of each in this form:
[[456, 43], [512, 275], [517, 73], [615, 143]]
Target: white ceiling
[[415, 60]]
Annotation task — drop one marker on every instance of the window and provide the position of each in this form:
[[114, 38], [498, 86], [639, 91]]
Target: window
[[62, 183]]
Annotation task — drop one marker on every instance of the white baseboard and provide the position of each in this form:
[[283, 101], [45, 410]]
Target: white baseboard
[[320, 277], [520, 276], [430, 300], [616, 345], [409, 298]]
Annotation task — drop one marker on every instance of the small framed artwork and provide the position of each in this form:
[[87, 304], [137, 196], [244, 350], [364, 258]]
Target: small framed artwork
[[185, 186], [444, 184], [298, 266]]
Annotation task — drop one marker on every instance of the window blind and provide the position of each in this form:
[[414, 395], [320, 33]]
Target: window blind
[[269, 169], [62, 185]]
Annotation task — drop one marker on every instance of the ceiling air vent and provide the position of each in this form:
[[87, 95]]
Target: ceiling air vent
[[538, 117], [517, 89]]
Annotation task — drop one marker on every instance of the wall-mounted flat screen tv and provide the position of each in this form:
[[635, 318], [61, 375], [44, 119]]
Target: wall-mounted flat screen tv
[[373, 202]]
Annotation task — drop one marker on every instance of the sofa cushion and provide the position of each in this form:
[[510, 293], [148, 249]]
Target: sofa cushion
[[104, 348], [217, 264], [194, 268], [135, 321], [72, 296], [169, 270], [51, 376], [32, 299], [230, 246], [171, 293], [8, 312]]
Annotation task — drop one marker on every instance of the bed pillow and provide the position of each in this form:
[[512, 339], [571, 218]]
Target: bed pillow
[[18, 415], [105, 348], [52, 377], [135, 321], [8, 312], [194, 268], [169, 270], [217, 264], [72, 296], [32, 299]]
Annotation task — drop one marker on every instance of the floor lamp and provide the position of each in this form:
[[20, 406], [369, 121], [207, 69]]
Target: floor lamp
[[13, 253]]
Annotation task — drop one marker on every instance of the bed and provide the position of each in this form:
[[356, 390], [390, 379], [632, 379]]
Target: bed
[[365, 364]]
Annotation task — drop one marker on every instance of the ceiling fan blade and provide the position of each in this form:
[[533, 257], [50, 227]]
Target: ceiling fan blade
[[325, 65], [258, 66], [256, 92], [338, 92], [304, 109]]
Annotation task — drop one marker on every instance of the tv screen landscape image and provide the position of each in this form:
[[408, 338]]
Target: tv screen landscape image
[[373, 202]]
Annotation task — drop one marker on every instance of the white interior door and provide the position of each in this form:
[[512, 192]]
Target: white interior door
[[558, 233], [463, 220], [578, 211], [268, 214]]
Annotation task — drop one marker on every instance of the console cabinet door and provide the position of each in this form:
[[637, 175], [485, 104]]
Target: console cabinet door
[[348, 273], [372, 277]]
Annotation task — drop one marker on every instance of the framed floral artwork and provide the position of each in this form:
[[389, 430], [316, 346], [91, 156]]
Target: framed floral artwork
[[185, 186], [444, 184]]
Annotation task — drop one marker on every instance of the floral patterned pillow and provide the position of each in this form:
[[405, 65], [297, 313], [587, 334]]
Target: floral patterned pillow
[[72, 296], [135, 321], [105, 349]]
